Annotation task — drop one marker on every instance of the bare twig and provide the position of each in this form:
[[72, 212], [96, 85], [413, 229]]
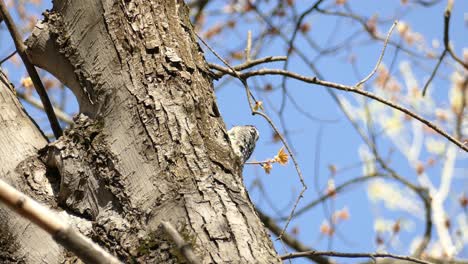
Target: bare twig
[[20, 47], [447, 15], [31, 100], [352, 255], [182, 245], [289, 240], [60, 231], [380, 57], [433, 73], [252, 63], [8, 57], [296, 165], [334, 192]]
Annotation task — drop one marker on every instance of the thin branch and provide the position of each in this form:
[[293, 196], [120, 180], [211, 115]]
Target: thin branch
[[20, 47], [347, 88], [296, 165], [60, 231], [334, 192], [8, 57], [380, 57], [252, 63], [447, 15], [31, 100], [184, 248], [353, 255], [433, 73], [288, 239]]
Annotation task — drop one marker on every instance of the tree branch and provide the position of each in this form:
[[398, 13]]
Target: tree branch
[[447, 15], [346, 88], [352, 255], [8, 57], [337, 189], [433, 73], [380, 57]]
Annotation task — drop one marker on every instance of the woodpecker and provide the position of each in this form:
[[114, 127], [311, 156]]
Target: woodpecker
[[243, 139]]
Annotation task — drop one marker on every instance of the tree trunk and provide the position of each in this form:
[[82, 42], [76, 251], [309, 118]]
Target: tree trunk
[[149, 144]]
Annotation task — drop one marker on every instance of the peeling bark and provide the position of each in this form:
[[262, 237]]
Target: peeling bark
[[149, 144]]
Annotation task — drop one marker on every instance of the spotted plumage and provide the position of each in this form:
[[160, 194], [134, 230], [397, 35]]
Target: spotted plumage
[[243, 139]]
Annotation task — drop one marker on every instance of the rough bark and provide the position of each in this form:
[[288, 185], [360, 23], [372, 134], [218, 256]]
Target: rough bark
[[150, 144], [21, 166]]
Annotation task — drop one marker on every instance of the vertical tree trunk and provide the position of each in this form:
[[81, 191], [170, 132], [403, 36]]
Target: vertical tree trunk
[[150, 144]]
